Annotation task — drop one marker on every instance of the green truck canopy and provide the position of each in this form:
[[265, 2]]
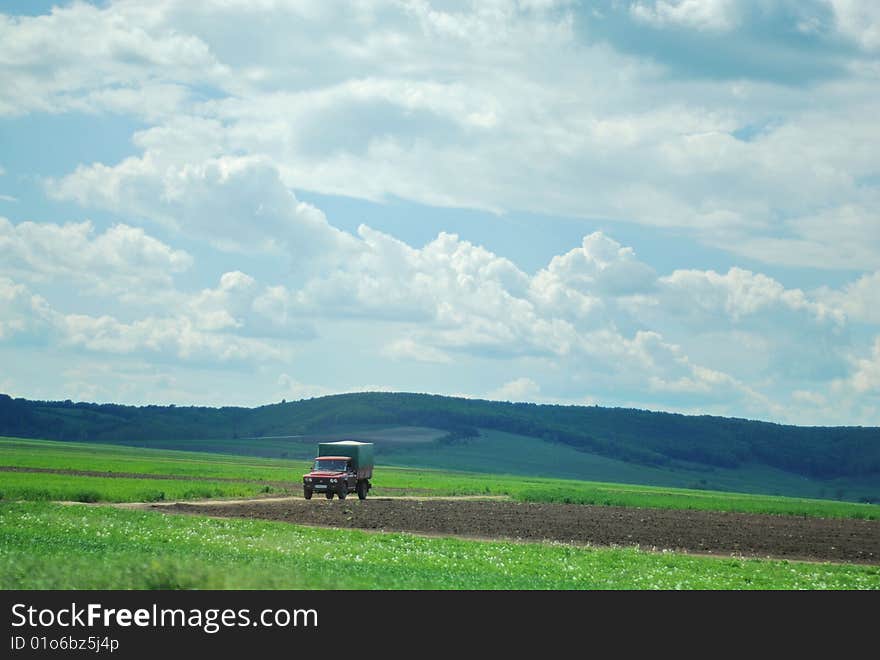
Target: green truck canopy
[[360, 453]]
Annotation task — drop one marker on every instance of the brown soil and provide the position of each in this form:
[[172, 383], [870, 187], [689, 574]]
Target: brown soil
[[703, 532]]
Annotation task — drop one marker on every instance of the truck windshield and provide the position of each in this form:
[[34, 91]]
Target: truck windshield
[[333, 465]]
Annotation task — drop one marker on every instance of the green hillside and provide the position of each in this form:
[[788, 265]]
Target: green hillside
[[625, 445], [48, 470]]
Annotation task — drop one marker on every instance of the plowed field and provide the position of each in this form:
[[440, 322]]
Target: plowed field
[[703, 532]]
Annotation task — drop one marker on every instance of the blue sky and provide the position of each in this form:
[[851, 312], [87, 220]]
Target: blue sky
[[664, 204]]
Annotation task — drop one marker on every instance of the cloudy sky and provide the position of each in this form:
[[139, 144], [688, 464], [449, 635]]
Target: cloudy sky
[[664, 204]]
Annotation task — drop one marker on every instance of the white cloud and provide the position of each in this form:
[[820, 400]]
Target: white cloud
[[520, 389], [222, 308], [714, 385], [866, 377], [187, 333], [386, 278], [713, 15], [851, 399], [604, 266], [407, 348], [737, 294], [463, 296], [843, 237], [235, 203], [451, 298], [457, 106], [858, 20], [122, 260], [857, 300], [581, 283], [805, 397], [290, 388], [21, 312], [502, 106], [241, 305], [85, 58], [175, 337]]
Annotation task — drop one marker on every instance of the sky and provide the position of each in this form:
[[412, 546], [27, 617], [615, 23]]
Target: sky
[[660, 204]]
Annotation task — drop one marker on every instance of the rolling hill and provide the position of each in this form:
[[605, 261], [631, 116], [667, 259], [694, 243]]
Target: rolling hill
[[587, 442]]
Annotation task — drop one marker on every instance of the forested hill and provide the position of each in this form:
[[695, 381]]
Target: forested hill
[[636, 436]]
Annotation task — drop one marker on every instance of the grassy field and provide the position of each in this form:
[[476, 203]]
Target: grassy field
[[47, 454], [48, 546], [499, 452], [262, 475], [76, 488], [680, 498]]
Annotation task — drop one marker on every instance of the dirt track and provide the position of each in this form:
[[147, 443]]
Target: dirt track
[[704, 532]]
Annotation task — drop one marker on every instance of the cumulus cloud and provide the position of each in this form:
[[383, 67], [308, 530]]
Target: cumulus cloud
[[407, 348], [235, 203], [122, 260], [21, 311], [715, 15], [734, 295], [866, 376], [596, 308], [519, 389], [86, 58], [197, 329], [465, 297], [452, 298], [241, 305], [176, 337], [859, 21], [601, 264], [856, 300], [386, 278], [581, 282], [290, 388], [505, 106], [838, 238], [381, 89]]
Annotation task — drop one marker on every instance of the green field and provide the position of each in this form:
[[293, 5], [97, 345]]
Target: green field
[[67, 488], [576, 442], [47, 454], [49, 546], [250, 476], [499, 452], [44, 545]]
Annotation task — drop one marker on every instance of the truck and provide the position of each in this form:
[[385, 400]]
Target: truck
[[339, 469]]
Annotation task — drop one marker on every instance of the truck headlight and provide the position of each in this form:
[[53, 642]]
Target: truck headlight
[[308, 480], [333, 481]]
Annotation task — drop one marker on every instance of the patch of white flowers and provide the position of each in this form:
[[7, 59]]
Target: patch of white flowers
[[402, 560]]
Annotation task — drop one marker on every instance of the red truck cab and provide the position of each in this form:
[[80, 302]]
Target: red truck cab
[[332, 475]]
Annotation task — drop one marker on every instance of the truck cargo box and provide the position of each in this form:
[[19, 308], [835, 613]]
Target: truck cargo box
[[360, 453]]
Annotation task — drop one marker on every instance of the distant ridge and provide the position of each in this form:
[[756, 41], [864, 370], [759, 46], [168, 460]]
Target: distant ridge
[[640, 437]]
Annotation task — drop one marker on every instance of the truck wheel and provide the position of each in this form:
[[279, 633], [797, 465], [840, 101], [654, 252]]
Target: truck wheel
[[329, 494], [362, 490], [307, 493], [343, 491]]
